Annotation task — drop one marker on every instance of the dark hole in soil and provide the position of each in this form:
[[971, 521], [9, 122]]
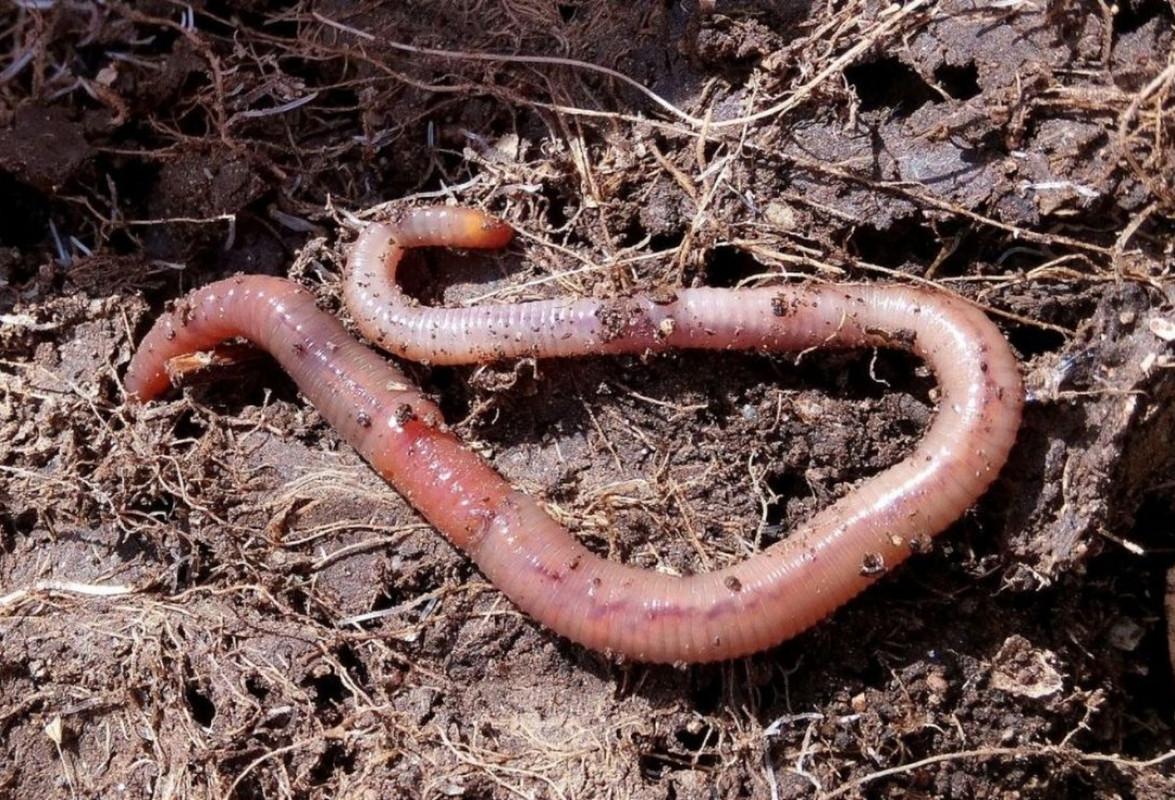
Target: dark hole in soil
[[654, 763], [135, 548], [7, 533], [189, 569], [161, 506], [632, 235], [1155, 519], [727, 267], [328, 689], [388, 598], [334, 758], [183, 572], [132, 180], [1154, 522], [905, 241], [1030, 341], [889, 84], [1138, 586], [268, 16], [195, 122], [218, 17], [787, 486], [200, 704], [695, 740], [652, 767], [959, 252], [449, 387], [354, 666], [227, 17], [24, 215], [22, 523], [1133, 14], [707, 693], [256, 687], [189, 426], [199, 559], [959, 81], [557, 211], [874, 374], [298, 600], [665, 241]]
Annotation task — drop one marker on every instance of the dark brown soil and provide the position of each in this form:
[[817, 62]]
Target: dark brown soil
[[180, 584]]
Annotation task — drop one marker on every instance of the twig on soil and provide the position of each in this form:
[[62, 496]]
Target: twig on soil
[[913, 193], [864, 43], [464, 55], [359, 619], [67, 587], [1160, 85], [466, 755], [274, 753], [1062, 753]]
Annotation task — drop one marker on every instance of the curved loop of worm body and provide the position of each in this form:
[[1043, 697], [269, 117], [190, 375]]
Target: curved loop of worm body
[[538, 564]]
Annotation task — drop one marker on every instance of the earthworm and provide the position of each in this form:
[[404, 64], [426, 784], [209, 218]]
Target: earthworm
[[612, 607]]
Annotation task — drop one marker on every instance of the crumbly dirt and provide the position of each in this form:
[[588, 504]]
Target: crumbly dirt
[[213, 597]]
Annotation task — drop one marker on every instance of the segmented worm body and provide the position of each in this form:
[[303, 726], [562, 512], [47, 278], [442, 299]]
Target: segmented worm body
[[538, 564]]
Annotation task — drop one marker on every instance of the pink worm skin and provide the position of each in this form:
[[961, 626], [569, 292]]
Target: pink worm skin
[[539, 565]]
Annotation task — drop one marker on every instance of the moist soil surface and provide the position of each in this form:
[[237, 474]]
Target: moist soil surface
[[212, 595]]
